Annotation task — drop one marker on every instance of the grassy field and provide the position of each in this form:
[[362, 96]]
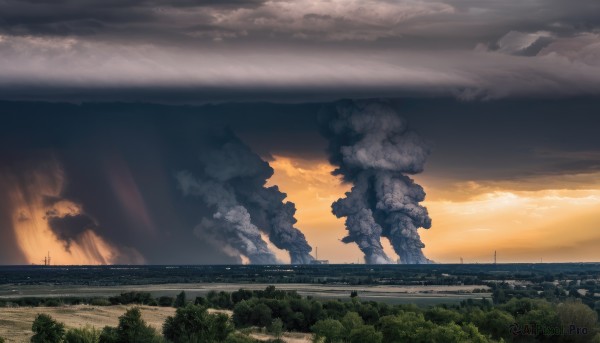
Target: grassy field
[[15, 323]]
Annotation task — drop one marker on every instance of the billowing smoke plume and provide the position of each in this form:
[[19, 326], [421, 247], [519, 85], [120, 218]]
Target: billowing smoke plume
[[231, 220], [373, 149], [233, 183]]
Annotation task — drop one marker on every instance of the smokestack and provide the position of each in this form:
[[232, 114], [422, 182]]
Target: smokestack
[[373, 149]]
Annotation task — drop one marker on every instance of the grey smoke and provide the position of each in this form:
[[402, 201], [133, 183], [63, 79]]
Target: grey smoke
[[234, 183], [373, 149], [231, 220]]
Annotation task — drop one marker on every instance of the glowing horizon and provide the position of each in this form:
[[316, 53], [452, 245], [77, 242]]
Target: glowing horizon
[[533, 218]]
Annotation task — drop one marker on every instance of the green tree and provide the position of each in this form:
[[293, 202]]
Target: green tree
[[194, 324], [86, 334], [242, 314], [131, 329], [404, 327], [352, 320], [276, 328], [440, 315], [165, 301], [574, 314], [496, 322], [369, 313], [365, 334], [474, 335], [2, 340], [47, 330], [261, 315], [109, 335], [180, 300], [201, 301], [518, 307], [545, 318], [449, 333], [330, 330]]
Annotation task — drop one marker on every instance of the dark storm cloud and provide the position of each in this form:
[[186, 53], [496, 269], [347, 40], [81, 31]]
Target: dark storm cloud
[[206, 50], [359, 20], [120, 159], [70, 227], [113, 173]]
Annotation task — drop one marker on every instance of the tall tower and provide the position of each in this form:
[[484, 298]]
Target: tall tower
[[495, 257], [461, 260]]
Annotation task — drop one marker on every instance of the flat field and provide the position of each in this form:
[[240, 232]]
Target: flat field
[[420, 295]]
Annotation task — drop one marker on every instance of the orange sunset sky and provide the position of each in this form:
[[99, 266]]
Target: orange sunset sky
[[556, 222]]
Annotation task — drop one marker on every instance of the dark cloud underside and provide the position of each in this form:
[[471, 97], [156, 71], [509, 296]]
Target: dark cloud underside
[[206, 51]]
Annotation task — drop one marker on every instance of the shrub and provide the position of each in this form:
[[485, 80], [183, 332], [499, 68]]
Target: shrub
[[261, 315], [86, 334], [52, 302], [131, 298], [47, 330], [100, 302], [180, 300], [109, 335], [329, 329], [276, 328], [352, 320], [165, 301], [366, 334], [440, 315], [131, 329], [194, 324]]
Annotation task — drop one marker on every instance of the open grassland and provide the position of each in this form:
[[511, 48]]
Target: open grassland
[[15, 323]]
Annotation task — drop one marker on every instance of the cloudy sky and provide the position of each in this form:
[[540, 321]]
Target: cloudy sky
[[101, 102], [214, 50]]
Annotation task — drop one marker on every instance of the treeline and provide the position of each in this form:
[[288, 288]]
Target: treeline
[[553, 291], [127, 298]]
